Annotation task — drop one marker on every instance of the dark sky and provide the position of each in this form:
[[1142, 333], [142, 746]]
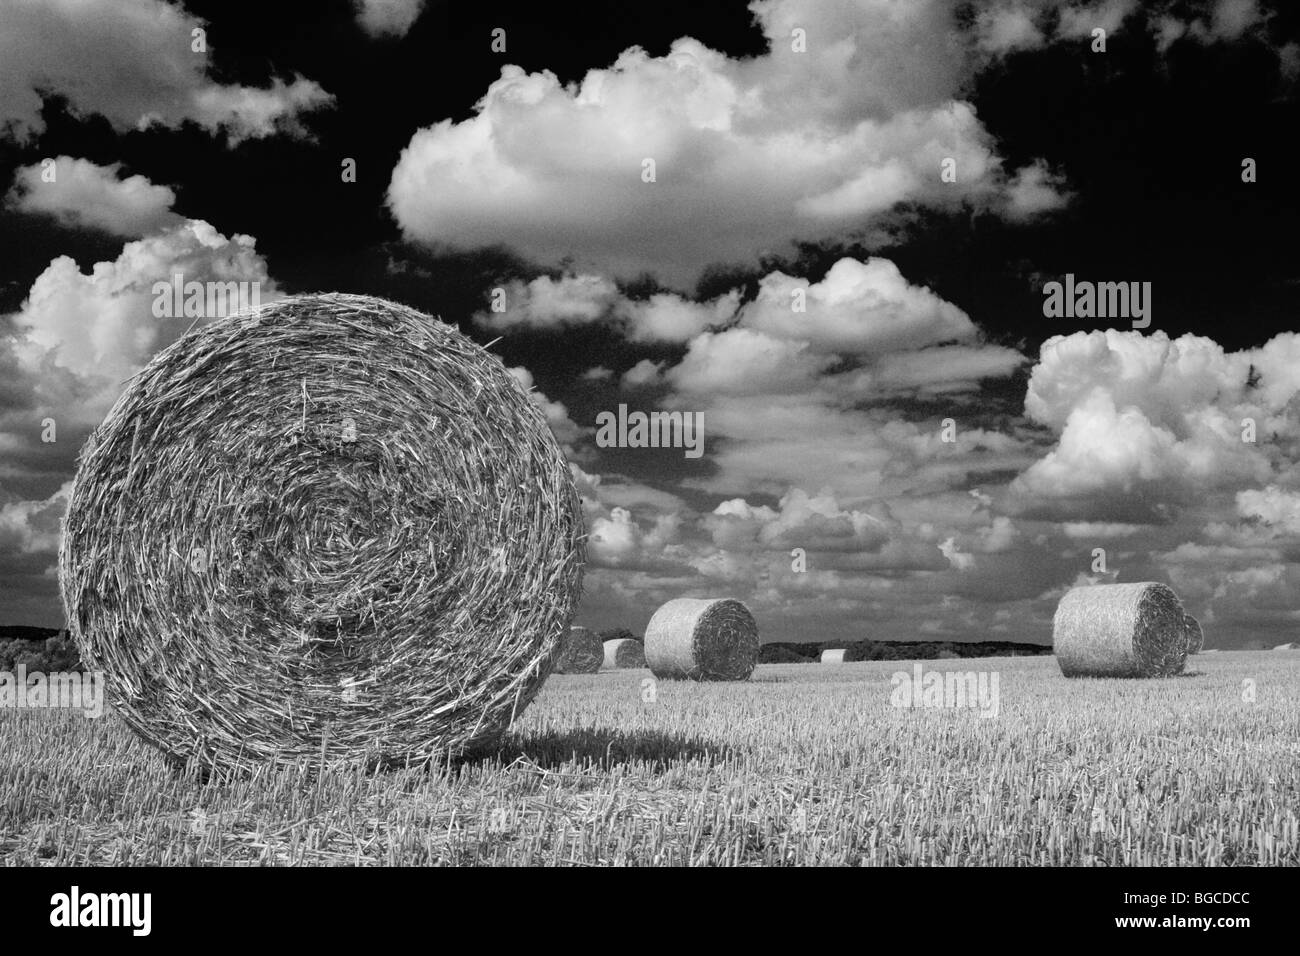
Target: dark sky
[[1144, 143]]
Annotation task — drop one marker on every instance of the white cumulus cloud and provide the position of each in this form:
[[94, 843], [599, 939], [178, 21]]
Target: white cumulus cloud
[[388, 18], [132, 62], [748, 154], [87, 194]]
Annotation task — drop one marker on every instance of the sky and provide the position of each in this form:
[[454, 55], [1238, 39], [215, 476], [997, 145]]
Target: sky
[[827, 229]]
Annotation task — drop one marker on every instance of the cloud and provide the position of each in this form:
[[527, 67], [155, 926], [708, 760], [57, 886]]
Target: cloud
[[387, 18], [576, 300], [1223, 21], [745, 362], [75, 341], [131, 61], [811, 522], [749, 154], [934, 371], [1015, 25], [1103, 448], [1231, 18], [787, 395], [87, 194], [1033, 191], [1276, 507], [99, 328], [1006, 28], [33, 527], [617, 541], [958, 559], [1089, 530], [546, 303], [1170, 420], [902, 337], [857, 307], [643, 373], [1077, 21]]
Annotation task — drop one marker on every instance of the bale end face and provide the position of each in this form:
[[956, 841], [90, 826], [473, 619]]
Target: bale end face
[[624, 652], [334, 522], [581, 652], [705, 640]]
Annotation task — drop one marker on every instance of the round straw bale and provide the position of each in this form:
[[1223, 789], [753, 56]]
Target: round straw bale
[[699, 639], [1120, 630], [331, 524], [624, 652], [834, 655], [1195, 636], [581, 653]]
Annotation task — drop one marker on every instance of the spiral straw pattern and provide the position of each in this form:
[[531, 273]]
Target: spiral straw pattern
[[333, 525]]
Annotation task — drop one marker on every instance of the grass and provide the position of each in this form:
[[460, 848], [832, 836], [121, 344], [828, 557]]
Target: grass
[[804, 764]]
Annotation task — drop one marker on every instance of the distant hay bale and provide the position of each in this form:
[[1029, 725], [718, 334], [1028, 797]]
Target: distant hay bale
[[624, 652], [581, 653], [1195, 636], [697, 639], [1120, 630], [850, 654], [1292, 646], [331, 524]]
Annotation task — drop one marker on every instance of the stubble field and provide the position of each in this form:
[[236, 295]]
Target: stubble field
[[804, 764]]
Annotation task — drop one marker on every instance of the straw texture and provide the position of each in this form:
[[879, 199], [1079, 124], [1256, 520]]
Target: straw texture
[[624, 652], [1195, 636], [581, 653], [332, 524], [1120, 630], [697, 639]]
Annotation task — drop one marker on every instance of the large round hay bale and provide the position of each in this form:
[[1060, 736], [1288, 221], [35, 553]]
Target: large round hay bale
[[698, 639], [330, 523], [1195, 636], [624, 652], [834, 655], [1120, 630], [581, 653]]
